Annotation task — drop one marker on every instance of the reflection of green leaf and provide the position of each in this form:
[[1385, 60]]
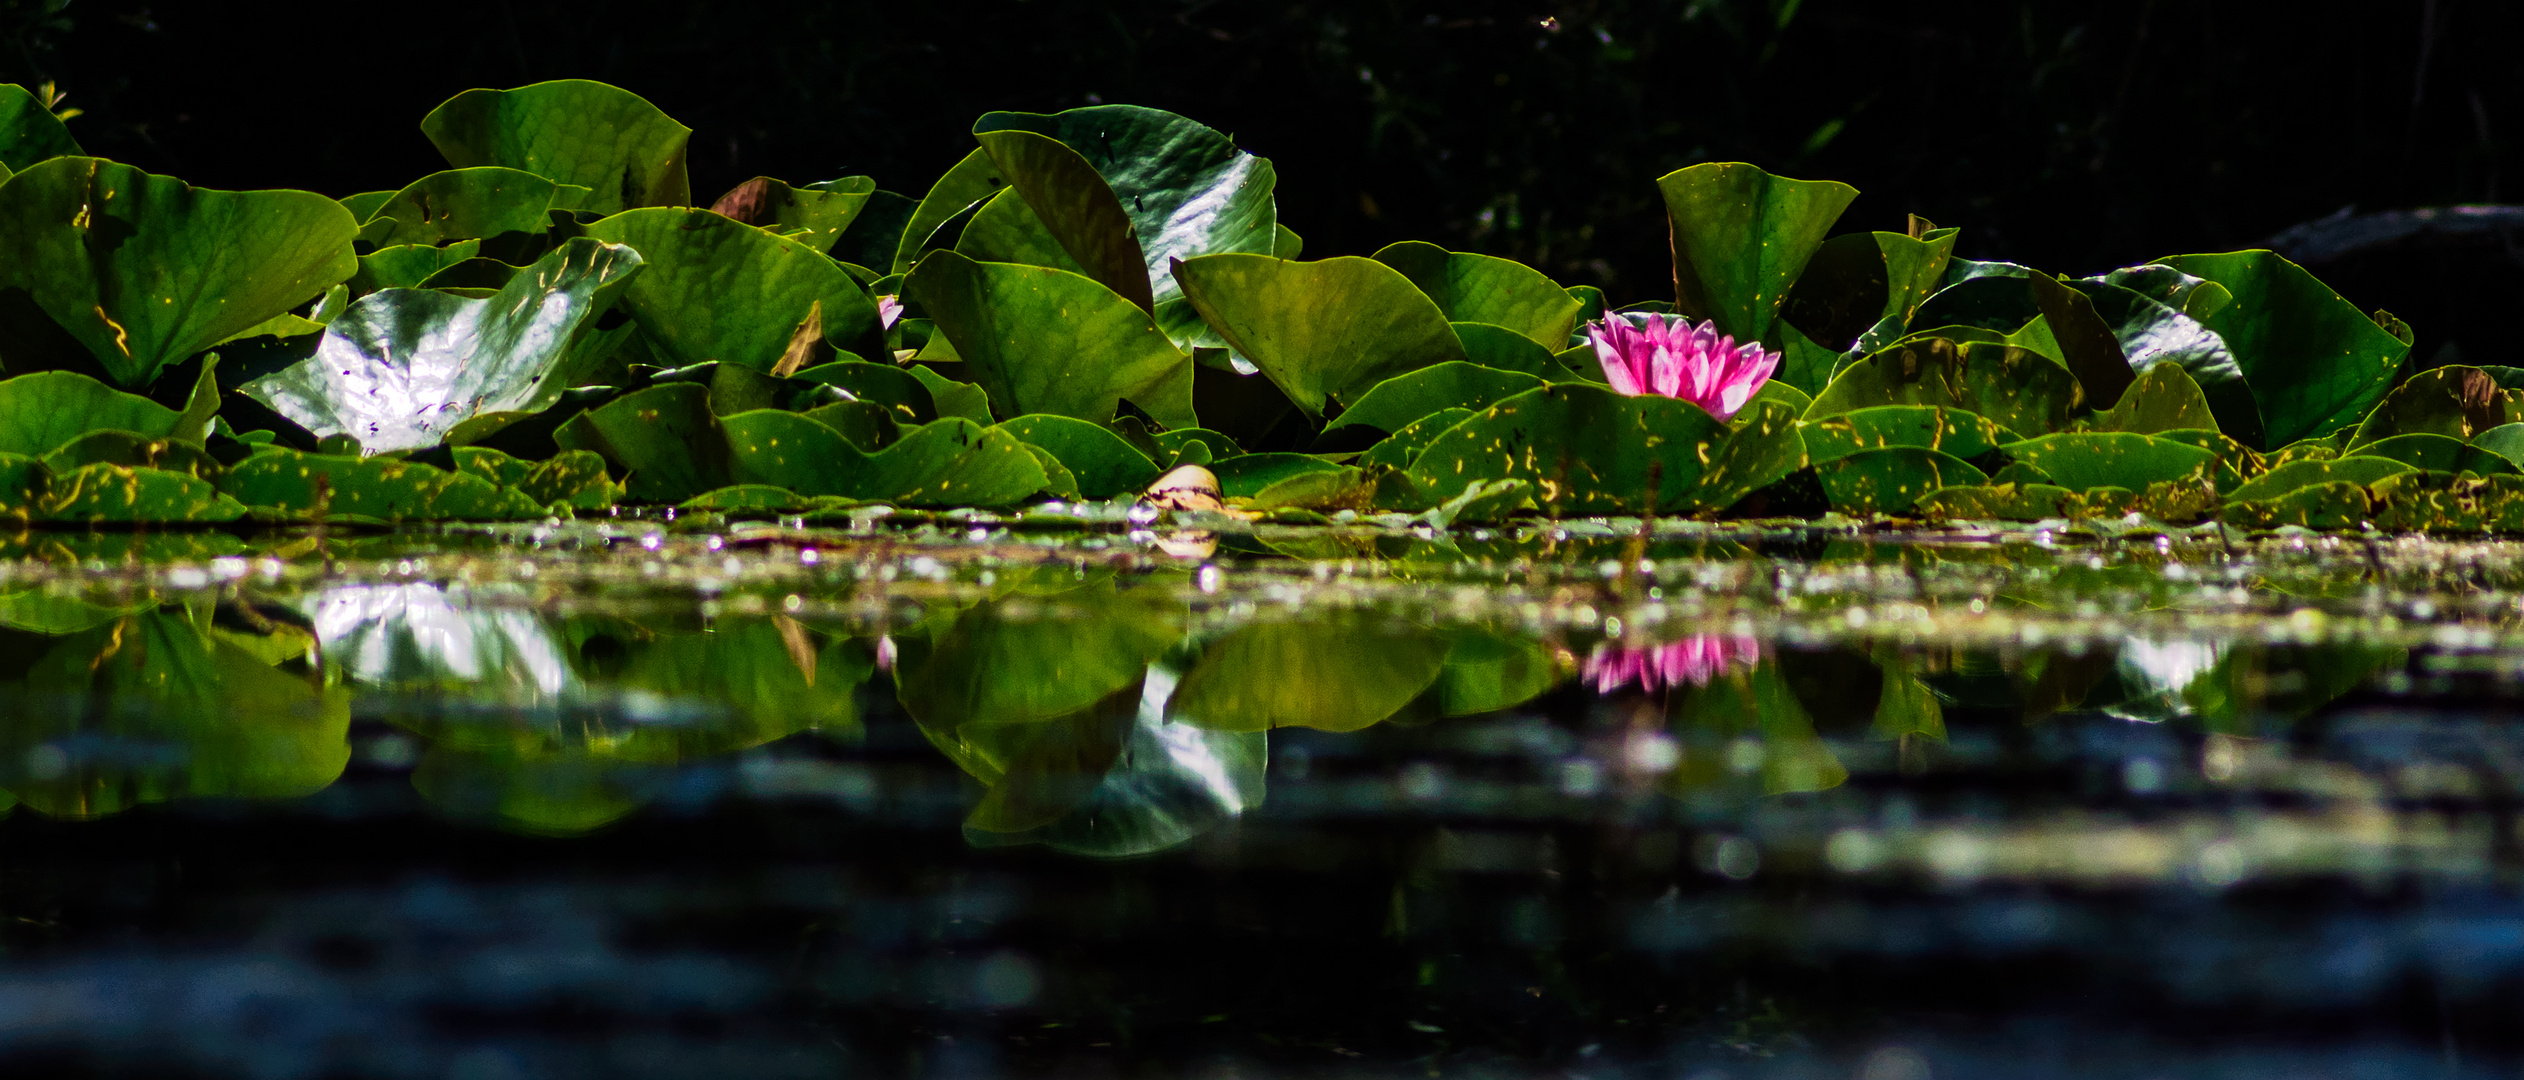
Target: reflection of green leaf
[[145, 270], [403, 367], [572, 131], [1585, 449], [1339, 672], [715, 289], [1487, 289], [1748, 722], [1487, 672], [1011, 663], [1742, 238], [1040, 340], [2092, 459], [2316, 363], [1166, 784], [1328, 330]]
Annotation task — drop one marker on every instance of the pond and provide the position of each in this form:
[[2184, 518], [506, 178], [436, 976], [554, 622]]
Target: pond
[[966, 795]]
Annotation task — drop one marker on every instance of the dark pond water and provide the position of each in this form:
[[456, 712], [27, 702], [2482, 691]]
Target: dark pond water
[[962, 800]]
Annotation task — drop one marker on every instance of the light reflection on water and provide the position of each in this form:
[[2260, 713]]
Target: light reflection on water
[[1944, 750]]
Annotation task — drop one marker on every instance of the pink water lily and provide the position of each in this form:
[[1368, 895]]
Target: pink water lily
[[1669, 356], [1694, 660]]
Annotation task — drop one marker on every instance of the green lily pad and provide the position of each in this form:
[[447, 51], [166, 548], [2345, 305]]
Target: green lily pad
[[972, 181], [1742, 237], [1321, 331], [1079, 214], [1183, 189], [1804, 365], [2316, 363], [1487, 289], [1505, 349], [2092, 459], [952, 462], [573, 131], [1394, 403], [1585, 449], [1400, 449], [1954, 432], [2282, 479], [108, 494], [895, 388], [2438, 453], [406, 266], [2457, 402], [42, 412], [2445, 502], [2023, 391], [1245, 475], [2164, 398], [666, 436], [29, 132], [2196, 297], [1994, 502], [717, 289], [746, 497], [463, 204], [2152, 333], [133, 450], [953, 397], [1103, 464], [817, 214], [1765, 444], [2339, 504], [2504, 440], [1890, 479], [291, 484], [144, 270], [404, 367], [1857, 280], [2089, 347], [2235, 461], [1040, 340]]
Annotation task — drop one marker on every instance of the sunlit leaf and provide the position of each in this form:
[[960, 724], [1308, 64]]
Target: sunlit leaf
[[572, 131]]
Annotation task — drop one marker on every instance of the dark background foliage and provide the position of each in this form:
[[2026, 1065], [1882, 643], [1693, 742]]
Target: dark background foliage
[[2068, 134]]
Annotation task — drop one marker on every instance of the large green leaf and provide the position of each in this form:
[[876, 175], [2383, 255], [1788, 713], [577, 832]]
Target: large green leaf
[[950, 462], [2151, 333], [572, 131], [1183, 188], [1742, 237], [1486, 289], [406, 266], [40, 413], [972, 181], [1857, 280], [2020, 389], [1766, 445], [665, 436], [1040, 340], [2457, 402], [1075, 208], [463, 204], [2316, 363], [2296, 475], [817, 214], [1888, 480], [1950, 431], [717, 289], [2082, 460], [29, 132], [1327, 330], [144, 270], [378, 489], [1104, 465], [104, 493], [1585, 449], [1394, 403], [2164, 398], [403, 367]]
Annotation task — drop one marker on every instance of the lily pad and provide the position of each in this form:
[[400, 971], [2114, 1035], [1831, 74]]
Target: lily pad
[[1183, 189], [1487, 289], [716, 289], [1764, 446], [42, 412], [2092, 459], [2438, 453], [2316, 363], [1890, 479], [2457, 402], [895, 388], [1585, 449], [29, 132], [1742, 237], [404, 367], [1321, 331], [2339, 504], [144, 271], [1104, 465], [665, 436], [2282, 479], [970, 183], [1954, 432], [2022, 390], [951, 462], [2164, 398], [292, 485], [1499, 347], [817, 214], [1994, 502], [953, 397], [1394, 403], [108, 494], [1857, 280], [2152, 333], [1040, 340], [406, 266], [463, 204], [573, 131], [1404, 445]]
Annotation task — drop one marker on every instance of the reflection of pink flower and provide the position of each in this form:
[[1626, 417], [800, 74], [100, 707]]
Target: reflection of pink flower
[[1694, 660], [888, 311], [1668, 356]]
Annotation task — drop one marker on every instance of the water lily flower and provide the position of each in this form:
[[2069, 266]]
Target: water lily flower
[[1670, 356], [1695, 660], [889, 310]]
